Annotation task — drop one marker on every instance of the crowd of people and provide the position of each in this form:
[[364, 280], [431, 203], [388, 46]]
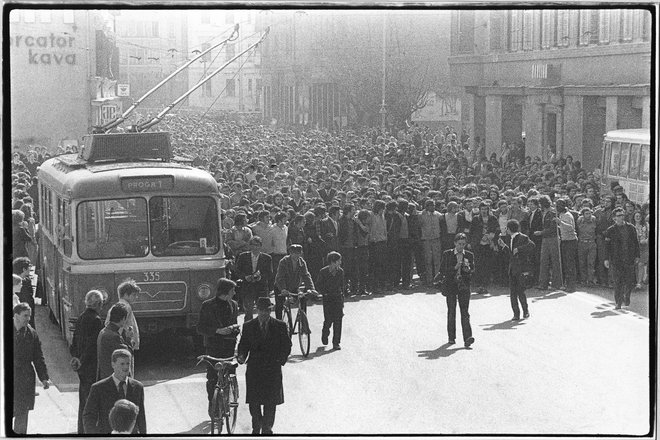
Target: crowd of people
[[361, 212]]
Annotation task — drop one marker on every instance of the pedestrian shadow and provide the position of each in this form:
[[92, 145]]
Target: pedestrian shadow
[[535, 297], [504, 325], [202, 428], [320, 351], [440, 352], [604, 314]]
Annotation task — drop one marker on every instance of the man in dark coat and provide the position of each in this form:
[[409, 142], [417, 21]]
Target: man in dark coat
[[218, 323], [331, 287], [27, 357], [83, 349], [106, 392], [456, 269], [622, 256], [483, 229], [255, 268], [266, 345], [520, 250], [21, 267], [110, 340]]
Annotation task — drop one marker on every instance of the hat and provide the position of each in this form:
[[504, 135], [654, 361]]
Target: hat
[[264, 303]]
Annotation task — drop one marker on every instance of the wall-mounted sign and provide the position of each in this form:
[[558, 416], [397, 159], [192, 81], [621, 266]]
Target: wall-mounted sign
[[108, 113], [123, 90], [46, 49]]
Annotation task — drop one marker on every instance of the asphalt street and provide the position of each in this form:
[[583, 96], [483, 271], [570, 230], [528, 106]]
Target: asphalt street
[[576, 366]]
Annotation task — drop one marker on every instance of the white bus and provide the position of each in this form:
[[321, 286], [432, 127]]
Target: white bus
[[626, 158]]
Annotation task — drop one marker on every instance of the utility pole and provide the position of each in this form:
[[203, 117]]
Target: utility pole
[[383, 109]]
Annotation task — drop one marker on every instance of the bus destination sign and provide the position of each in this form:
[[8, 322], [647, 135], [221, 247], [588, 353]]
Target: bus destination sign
[[147, 183]]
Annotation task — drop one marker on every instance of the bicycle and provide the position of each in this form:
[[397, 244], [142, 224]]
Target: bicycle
[[224, 406], [301, 322]]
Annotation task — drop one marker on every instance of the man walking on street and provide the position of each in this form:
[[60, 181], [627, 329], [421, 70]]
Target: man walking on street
[[622, 256], [549, 247], [110, 340], [219, 326], [106, 392], [255, 268], [28, 357], [331, 287], [456, 268], [128, 292], [83, 349], [266, 341], [520, 250], [291, 271]]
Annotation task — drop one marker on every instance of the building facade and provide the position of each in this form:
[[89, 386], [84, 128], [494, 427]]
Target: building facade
[[318, 66], [152, 44], [238, 86], [62, 65], [552, 77]]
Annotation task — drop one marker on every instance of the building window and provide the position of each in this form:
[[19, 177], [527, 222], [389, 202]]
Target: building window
[[231, 52], [67, 16], [465, 31], [646, 25], [45, 16], [527, 31], [626, 24], [230, 88], [28, 16], [514, 34], [604, 26], [584, 28], [496, 29], [561, 28]]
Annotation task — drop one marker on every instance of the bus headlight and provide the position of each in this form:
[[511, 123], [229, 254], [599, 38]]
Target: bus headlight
[[204, 291]]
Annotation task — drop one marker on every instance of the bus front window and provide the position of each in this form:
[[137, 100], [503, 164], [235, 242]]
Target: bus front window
[[184, 226], [112, 229], [644, 164]]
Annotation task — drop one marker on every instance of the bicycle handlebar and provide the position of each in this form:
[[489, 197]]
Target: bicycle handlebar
[[212, 360]]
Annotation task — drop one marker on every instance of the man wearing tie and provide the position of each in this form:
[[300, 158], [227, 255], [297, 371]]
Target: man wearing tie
[[520, 250], [106, 392], [255, 268], [266, 345], [456, 268]]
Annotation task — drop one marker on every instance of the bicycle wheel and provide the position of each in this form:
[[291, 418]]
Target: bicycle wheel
[[232, 405], [303, 332], [216, 412], [289, 322]]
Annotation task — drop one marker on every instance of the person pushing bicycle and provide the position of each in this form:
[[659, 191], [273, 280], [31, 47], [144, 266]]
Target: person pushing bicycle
[[291, 271], [218, 323]]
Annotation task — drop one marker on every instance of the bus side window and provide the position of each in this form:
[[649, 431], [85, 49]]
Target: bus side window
[[634, 162], [60, 222], [625, 155], [606, 158], [614, 160], [68, 242], [644, 164]]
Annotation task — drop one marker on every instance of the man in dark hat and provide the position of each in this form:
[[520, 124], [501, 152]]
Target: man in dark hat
[[266, 341]]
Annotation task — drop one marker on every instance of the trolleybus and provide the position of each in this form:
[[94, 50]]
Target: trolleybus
[[626, 158], [122, 208]]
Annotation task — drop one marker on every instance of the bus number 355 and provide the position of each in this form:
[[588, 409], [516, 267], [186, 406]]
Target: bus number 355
[[151, 276]]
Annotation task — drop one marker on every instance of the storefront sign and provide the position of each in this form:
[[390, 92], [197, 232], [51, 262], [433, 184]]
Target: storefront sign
[[46, 49], [108, 113]]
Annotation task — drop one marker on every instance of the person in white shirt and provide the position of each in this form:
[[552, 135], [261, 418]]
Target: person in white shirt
[[128, 292], [16, 288], [262, 229]]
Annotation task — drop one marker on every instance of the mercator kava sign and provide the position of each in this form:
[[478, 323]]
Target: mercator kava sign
[[51, 49]]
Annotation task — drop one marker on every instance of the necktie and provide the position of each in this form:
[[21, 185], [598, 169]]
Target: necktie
[[120, 389], [263, 328]]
